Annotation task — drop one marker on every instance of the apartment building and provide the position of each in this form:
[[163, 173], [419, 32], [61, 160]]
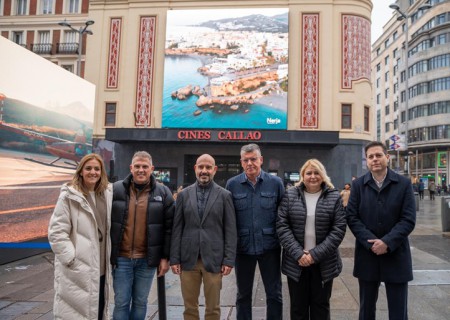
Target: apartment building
[[34, 24], [411, 82]]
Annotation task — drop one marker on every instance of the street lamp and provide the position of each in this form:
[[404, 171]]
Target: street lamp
[[404, 16], [82, 30]]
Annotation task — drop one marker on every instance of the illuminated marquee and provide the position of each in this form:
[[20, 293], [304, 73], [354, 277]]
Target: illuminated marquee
[[221, 135]]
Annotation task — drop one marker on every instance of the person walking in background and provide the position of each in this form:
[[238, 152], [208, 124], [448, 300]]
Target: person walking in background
[[141, 227], [203, 246], [381, 213], [432, 189], [256, 195], [311, 225], [78, 233], [345, 194], [421, 188]]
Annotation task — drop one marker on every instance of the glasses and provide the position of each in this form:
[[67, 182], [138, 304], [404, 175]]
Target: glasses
[[249, 160]]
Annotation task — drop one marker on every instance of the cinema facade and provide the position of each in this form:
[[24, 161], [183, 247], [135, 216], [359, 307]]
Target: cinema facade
[[183, 78]]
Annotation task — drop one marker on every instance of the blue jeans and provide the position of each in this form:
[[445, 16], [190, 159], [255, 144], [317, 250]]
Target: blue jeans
[[269, 266], [132, 280]]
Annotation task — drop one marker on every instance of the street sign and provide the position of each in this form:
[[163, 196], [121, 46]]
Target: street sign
[[397, 146], [398, 142]]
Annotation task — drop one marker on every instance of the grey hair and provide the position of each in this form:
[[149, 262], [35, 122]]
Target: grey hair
[[142, 154], [252, 147]]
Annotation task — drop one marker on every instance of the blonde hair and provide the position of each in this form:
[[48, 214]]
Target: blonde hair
[[316, 164], [77, 180]]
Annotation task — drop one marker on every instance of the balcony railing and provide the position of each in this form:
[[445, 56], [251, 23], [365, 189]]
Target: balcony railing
[[41, 48], [67, 48]]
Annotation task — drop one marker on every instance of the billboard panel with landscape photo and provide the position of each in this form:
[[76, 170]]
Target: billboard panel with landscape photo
[[46, 118], [226, 68]]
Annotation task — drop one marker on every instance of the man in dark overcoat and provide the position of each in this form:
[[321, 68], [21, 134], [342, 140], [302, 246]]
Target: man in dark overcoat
[[381, 213]]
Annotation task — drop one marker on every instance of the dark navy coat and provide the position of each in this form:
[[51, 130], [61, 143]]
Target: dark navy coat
[[388, 214]]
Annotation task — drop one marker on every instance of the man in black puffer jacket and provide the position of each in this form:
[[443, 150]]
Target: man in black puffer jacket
[[141, 228]]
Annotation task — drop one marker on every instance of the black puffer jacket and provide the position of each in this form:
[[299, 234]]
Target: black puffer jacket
[[330, 230], [160, 211]]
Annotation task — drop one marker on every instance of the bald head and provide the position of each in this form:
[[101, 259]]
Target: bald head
[[206, 157], [205, 169]]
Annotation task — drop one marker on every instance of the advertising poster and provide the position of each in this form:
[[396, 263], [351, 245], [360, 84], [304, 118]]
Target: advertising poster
[[46, 117], [226, 68]]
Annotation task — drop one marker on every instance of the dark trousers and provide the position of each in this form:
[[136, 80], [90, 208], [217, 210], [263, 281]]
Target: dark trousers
[[269, 266], [101, 298], [397, 299], [310, 300]]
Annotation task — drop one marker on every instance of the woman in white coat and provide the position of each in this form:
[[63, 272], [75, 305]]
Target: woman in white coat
[[79, 236]]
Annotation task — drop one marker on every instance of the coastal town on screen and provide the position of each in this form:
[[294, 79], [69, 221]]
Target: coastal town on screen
[[226, 69]]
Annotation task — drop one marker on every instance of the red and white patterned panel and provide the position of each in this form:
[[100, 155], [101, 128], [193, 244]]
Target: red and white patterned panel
[[310, 71], [355, 49], [114, 53], [145, 70]]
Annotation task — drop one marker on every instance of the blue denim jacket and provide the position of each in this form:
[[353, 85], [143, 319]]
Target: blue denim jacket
[[256, 212]]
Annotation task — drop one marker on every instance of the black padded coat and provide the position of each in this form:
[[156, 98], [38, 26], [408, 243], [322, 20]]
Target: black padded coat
[[330, 227], [160, 211]]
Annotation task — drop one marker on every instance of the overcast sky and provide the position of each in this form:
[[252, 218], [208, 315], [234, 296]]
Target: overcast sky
[[381, 14]]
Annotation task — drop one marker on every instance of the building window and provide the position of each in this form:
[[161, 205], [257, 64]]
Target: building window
[[18, 38], [378, 98], [68, 67], [386, 60], [395, 87], [395, 124], [395, 36], [378, 51], [395, 53], [46, 7], [346, 117], [402, 96], [386, 126], [402, 76], [378, 82], [366, 118], [386, 110], [378, 67], [73, 6], [44, 43], [387, 43], [386, 76], [110, 114], [21, 7], [395, 105], [386, 93]]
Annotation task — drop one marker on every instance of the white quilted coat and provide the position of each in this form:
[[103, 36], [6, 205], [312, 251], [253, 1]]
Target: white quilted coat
[[73, 236]]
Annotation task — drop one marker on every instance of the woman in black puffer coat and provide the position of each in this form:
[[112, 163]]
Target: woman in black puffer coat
[[311, 225]]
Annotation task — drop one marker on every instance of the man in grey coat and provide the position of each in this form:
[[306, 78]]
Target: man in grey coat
[[381, 214], [203, 246]]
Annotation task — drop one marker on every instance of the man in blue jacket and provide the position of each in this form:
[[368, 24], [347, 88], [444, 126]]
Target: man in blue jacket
[[381, 214], [256, 195]]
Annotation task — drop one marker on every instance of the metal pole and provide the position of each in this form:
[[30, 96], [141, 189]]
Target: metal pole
[[406, 82], [80, 49], [162, 298], [417, 164]]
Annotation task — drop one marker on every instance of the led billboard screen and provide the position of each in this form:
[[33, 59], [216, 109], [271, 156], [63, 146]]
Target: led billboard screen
[[226, 69]]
